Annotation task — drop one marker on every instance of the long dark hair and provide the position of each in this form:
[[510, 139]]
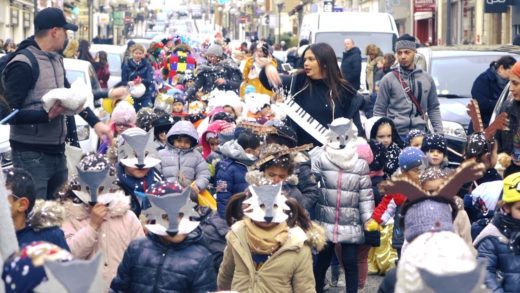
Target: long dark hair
[[84, 53], [298, 216], [103, 60], [328, 63]]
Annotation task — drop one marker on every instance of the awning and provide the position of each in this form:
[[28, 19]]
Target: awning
[[422, 15]]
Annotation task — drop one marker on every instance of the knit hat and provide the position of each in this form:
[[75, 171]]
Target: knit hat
[[511, 188], [145, 118], [410, 158], [170, 199], [477, 145], [163, 123], [516, 69], [215, 50], [219, 127], [439, 262], [434, 141], [365, 153], [124, 113], [405, 41], [427, 215], [413, 134]]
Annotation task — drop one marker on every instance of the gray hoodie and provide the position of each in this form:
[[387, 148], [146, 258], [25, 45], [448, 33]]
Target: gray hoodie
[[184, 166], [393, 102]]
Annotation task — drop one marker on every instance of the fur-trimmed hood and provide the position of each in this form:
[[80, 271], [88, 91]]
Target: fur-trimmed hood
[[46, 214], [316, 237], [118, 205], [490, 231]]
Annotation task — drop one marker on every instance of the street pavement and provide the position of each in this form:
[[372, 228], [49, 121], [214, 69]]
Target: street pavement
[[371, 286]]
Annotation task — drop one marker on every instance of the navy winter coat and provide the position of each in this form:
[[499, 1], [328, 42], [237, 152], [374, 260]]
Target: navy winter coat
[[486, 90], [351, 67], [52, 235], [130, 70], [150, 265], [503, 267]]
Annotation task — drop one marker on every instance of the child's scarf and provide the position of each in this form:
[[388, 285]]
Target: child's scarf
[[266, 242]]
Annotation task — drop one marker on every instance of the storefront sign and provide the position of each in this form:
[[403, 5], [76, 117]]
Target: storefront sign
[[495, 6], [424, 6]]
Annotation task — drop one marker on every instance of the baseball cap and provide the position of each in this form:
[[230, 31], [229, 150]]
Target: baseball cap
[[52, 17]]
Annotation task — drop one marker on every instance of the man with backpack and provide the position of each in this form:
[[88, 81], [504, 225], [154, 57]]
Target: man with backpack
[[37, 137]]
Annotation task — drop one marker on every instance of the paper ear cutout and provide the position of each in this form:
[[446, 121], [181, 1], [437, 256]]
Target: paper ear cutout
[[92, 180], [73, 276], [137, 148], [501, 121]]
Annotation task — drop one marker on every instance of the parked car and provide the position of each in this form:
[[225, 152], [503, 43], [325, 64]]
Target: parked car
[[115, 56], [454, 69], [88, 140]]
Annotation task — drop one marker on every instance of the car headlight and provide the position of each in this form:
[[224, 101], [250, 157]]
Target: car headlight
[[6, 157], [83, 132], [454, 129]]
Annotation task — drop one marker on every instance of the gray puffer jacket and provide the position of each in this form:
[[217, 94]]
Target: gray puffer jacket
[[184, 166], [347, 199]]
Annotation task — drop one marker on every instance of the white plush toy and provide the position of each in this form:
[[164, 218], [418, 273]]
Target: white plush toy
[[73, 99]]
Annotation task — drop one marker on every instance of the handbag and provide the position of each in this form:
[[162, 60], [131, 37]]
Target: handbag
[[408, 91], [372, 238]]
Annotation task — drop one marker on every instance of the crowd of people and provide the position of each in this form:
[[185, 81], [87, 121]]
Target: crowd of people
[[232, 174]]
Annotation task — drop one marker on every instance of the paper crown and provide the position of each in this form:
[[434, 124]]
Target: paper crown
[[137, 150], [274, 151], [266, 204], [340, 131], [168, 198], [95, 176]]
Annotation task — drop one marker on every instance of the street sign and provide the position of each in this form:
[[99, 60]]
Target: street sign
[[118, 17]]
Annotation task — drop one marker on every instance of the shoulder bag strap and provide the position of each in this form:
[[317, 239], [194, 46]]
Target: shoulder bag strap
[[409, 92]]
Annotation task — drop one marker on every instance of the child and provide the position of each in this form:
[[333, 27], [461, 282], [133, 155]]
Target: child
[[267, 250], [180, 161], [99, 218], [498, 243], [415, 138], [46, 217], [231, 171], [411, 164], [123, 117], [161, 125], [172, 256], [344, 208], [436, 150], [178, 111], [383, 131], [135, 168]]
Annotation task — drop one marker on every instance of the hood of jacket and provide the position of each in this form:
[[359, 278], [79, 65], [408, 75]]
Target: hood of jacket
[[46, 214], [215, 127], [182, 127], [118, 205], [372, 125], [233, 150]]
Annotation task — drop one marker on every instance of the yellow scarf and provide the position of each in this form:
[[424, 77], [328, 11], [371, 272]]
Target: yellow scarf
[[263, 241]]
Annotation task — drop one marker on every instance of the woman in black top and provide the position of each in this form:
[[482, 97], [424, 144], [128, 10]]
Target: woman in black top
[[319, 89]]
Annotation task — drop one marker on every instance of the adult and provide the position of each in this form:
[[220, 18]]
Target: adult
[[84, 51], [137, 69], [318, 89], [489, 85], [219, 73], [102, 68], [37, 137], [509, 139], [351, 64], [393, 101], [374, 54], [261, 57]]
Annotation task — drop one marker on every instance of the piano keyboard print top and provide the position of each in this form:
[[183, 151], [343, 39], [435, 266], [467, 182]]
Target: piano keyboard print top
[[304, 120]]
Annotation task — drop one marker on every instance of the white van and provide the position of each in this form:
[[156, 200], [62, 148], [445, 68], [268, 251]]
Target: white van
[[363, 27]]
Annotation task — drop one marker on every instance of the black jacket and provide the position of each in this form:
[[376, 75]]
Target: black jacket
[[486, 90], [351, 67], [208, 74], [311, 95], [150, 265]]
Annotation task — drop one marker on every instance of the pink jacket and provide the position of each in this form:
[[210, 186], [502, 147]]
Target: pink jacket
[[112, 238]]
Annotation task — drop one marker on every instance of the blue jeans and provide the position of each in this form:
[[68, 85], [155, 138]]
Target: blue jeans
[[49, 171]]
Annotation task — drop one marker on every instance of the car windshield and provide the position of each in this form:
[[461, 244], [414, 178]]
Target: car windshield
[[73, 75], [454, 76], [361, 39], [114, 63]]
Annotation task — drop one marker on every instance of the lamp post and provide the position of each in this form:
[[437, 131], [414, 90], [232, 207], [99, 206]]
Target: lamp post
[[279, 4]]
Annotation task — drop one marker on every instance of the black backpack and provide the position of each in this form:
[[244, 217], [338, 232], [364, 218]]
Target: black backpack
[[8, 57]]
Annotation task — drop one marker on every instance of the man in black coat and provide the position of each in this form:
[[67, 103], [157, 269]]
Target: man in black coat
[[351, 64]]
